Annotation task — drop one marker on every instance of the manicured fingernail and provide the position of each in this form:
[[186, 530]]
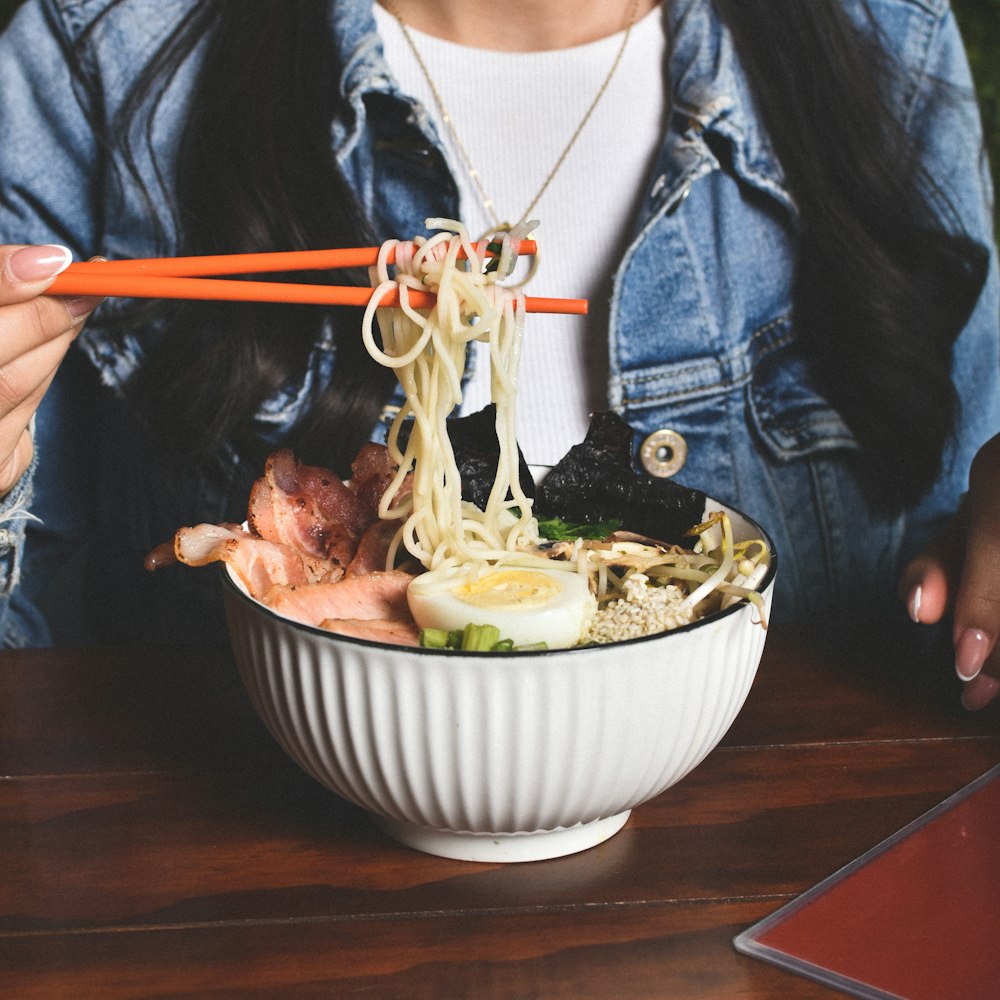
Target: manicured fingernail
[[971, 650], [913, 604], [83, 306], [979, 692], [38, 263]]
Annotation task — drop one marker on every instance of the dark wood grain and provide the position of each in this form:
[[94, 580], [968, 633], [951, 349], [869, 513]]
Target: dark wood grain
[[154, 842], [677, 950], [680, 950], [127, 851]]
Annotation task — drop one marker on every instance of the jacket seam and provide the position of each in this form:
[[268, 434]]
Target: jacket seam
[[693, 369]]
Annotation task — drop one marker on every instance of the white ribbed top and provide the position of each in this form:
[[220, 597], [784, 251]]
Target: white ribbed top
[[514, 113]]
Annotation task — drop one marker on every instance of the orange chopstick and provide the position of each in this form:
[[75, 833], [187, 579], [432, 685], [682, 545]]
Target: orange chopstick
[[187, 278], [99, 282], [250, 263]]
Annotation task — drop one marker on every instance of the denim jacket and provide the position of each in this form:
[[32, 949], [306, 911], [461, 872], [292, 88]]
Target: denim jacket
[[700, 339]]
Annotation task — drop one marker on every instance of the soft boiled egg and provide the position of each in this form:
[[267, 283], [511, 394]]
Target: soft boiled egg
[[527, 605]]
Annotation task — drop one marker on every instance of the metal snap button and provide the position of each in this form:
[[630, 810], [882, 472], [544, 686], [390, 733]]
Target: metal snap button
[[663, 453]]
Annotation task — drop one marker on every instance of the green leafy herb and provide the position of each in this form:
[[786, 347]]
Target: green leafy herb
[[558, 530], [494, 247]]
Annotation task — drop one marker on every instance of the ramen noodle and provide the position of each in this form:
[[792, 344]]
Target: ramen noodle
[[492, 560]]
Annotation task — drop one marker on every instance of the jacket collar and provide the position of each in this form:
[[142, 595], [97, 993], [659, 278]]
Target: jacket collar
[[711, 100], [710, 95]]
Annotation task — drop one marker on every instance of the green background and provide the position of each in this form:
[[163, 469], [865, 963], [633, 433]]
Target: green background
[[980, 23]]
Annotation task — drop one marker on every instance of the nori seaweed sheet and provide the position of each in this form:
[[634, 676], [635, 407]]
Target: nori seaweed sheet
[[597, 481], [477, 451]]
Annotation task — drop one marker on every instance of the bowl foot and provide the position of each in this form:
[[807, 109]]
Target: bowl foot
[[504, 847]]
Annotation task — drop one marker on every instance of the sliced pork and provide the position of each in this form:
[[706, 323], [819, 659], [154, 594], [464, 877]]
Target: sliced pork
[[379, 595], [309, 508], [313, 548], [371, 473], [261, 565], [372, 553], [375, 629]]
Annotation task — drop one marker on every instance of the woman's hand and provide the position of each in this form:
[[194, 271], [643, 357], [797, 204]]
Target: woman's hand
[[35, 333], [961, 570]]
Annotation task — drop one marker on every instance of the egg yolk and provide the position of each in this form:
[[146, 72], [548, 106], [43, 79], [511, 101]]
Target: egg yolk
[[527, 605], [509, 589]]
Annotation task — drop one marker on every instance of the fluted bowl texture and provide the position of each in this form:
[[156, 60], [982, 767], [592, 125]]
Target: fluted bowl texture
[[499, 757]]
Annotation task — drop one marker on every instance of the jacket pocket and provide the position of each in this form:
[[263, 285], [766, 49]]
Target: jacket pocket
[[786, 408]]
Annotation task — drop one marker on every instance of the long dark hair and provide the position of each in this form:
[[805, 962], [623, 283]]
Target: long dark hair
[[886, 277], [885, 281], [255, 173]]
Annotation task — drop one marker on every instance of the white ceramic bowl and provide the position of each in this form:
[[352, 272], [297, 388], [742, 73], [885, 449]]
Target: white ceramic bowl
[[499, 757]]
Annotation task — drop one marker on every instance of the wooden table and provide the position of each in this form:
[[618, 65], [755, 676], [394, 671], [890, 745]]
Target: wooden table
[[154, 842]]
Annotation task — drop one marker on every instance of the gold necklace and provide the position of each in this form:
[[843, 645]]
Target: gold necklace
[[487, 201]]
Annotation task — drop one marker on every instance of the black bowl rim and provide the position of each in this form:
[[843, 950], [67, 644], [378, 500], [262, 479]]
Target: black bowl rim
[[520, 653]]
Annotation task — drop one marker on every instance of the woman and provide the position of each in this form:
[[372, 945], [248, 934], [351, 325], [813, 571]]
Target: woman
[[789, 256]]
